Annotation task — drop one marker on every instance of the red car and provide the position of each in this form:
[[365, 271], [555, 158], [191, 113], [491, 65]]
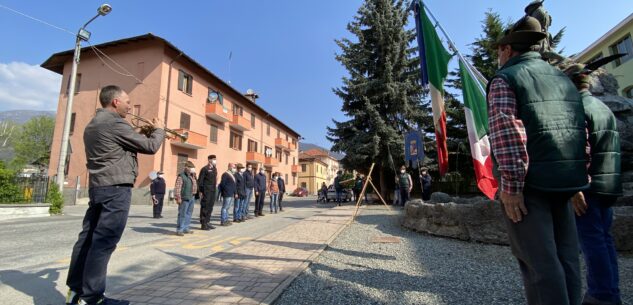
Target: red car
[[300, 192]]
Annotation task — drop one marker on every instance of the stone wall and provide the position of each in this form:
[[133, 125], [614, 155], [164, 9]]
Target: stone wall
[[481, 220]]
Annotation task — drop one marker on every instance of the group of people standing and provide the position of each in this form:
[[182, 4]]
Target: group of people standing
[[235, 189]]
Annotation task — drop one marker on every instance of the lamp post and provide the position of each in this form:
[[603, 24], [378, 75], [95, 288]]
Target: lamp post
[[83, 34]]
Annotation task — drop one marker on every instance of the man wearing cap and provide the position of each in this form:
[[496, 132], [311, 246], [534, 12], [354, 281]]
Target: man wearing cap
[[157, 190], [594, 214], [228, 191], [537, 133], [207, 181], [240, 183], [185, 192]]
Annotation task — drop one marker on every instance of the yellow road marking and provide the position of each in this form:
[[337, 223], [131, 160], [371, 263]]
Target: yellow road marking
[[192, 246]]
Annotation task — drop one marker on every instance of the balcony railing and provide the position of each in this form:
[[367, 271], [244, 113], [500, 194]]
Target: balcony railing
[[195, 140], [292, 146], [240, 123], [281, 143], [217, 112], [254, 157], [271, 161]]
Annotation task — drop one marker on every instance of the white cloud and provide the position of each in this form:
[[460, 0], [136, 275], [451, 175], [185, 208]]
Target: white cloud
[[28, 87]]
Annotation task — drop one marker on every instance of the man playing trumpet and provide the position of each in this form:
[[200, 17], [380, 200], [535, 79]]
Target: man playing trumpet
[[111, 148]]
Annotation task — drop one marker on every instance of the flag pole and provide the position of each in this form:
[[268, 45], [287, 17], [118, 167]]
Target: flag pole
[[452, 46]]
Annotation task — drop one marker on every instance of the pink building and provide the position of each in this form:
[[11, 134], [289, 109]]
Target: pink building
[[168, 84]]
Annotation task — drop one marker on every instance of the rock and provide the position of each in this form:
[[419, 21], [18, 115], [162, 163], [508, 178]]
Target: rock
[[440, 197]]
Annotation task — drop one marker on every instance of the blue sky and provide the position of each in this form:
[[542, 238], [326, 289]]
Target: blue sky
[[282, 49]]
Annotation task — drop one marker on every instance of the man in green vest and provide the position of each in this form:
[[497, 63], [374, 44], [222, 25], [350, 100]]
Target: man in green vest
[[537, 133], [405, 185], [594, 214], [185, 192]]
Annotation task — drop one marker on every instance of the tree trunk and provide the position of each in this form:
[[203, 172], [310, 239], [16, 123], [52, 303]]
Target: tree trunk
[[383, 185]]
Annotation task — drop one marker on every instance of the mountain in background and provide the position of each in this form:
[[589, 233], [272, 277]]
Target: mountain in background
[[307, 146], [22, 116]]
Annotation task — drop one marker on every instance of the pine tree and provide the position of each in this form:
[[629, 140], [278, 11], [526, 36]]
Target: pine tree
[[382, 93]]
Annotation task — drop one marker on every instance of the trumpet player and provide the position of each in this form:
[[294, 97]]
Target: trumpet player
[[111, 148]]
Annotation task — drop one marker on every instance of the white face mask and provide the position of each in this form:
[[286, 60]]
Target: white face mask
[[192, 170], [242, 170], [160, 176], [233, 170], [213, 161], [402, 171]]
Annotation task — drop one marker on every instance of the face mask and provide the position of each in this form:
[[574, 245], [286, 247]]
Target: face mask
[[232, 170], [192, 170], [213, 161], [261, 172], [402, 171], [160, 176], [250, 169], [242, 170]]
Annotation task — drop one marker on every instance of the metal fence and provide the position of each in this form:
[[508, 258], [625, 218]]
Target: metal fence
[[23, 189]]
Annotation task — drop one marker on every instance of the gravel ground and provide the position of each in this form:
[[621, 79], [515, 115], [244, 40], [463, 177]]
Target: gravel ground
[[420, 269]]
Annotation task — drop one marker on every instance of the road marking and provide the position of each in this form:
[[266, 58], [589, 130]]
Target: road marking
[[63, 261], [195, 247]]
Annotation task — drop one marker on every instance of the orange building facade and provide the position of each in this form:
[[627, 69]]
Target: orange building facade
[[164, 82]]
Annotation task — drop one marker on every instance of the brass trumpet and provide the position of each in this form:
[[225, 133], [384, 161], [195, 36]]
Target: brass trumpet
[[149, 128]]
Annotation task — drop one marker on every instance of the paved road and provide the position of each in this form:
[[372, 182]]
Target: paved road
[[35, 252]]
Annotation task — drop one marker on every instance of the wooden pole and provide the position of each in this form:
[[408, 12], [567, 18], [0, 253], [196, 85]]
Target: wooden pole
[[362, 193], [377, 193]]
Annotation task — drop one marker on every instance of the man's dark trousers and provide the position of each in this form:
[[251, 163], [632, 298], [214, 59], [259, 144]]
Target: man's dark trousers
[[404, 196], [103, 226], [280, 197], [546, 245], [158, 207], [206, 206], [259, 203]]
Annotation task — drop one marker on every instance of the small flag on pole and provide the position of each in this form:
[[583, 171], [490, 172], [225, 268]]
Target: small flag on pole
[[434, 67]]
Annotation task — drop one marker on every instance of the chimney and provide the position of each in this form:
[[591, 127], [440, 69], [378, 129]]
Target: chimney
[[251, 95]]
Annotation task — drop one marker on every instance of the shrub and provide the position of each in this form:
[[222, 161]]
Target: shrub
[[9, 191], [55, 198]]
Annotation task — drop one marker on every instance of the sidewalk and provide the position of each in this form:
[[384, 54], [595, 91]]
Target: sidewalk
[[255, 273]]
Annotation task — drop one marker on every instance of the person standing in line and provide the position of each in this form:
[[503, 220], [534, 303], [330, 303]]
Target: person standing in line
[[405, 185], [338, 187], [207, 181], [538, 137], [185, 194], [111, 146], [358, 187], [273, 189], [238, 209], [260, 192], [157, 190], [426, 184], [594, 212], [249, 181], [323, 193], [282, 189], [228, 191]]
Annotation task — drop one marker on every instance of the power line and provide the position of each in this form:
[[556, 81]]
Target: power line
[[125, 71], [38, 20]]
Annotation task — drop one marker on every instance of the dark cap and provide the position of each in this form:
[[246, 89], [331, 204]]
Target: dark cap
[[159, 173], [239, 165], [211, 157], [189, 164], [525, 31]]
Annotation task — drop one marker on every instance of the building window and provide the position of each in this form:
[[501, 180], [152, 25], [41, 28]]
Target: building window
[[182, 159], [628, 92], [235, 141], [293, 161], [294, 179], [185, 82], [268, 152], [625, 45], [268, 129], [303, 168], [214, 96], [213, 135], [77, 84], [238, 110], [278, 133], [286, 180], [72, 123], [185, 120], [252, 146], [286, 137], [278, 155], [253, 120], [304, 185], [286, 159]]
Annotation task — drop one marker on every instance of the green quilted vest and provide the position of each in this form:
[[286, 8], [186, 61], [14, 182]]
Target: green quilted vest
[[605, 147], [403, 182], [550, 108], [185, 191]]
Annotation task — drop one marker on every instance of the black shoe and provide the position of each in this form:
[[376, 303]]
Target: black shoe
[[106, 301], [72, 298], [260, 214], [205, 229], [161, 216]]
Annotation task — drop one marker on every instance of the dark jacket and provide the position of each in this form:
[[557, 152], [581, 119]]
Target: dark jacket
[[426, 181], [249, 180], [551, 110], [157, 187], [240, 183], [228, 185], [208, 178], [260, 183], [111, 147], [282, 185], [337, 184]]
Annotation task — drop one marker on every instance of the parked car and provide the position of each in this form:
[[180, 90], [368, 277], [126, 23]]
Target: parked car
[[300, 192], [331, 194]]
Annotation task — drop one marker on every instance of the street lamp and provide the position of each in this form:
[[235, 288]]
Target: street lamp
[[83, 34]]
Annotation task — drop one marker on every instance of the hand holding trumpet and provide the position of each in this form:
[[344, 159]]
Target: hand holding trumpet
[[155, 123]]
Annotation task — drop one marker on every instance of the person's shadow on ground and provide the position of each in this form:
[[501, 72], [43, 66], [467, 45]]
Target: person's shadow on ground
[[41, 286]]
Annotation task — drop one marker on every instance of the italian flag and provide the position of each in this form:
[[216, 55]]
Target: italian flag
[[476, 112], [434, 67]]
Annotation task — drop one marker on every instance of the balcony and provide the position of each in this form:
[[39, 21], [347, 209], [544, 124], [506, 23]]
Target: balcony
[[254, 157], [217, 112], [281, 143], [240, 123], [195, 140], [295, 169], [292, 146], [271, 161]]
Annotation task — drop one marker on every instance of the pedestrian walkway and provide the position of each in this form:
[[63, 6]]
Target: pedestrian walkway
[[254, 273]]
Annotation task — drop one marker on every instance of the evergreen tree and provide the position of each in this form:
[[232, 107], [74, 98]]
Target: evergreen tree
[[382, 93]]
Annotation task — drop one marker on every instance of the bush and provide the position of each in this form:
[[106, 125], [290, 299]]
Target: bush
[[9, 191], [55, 198]]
